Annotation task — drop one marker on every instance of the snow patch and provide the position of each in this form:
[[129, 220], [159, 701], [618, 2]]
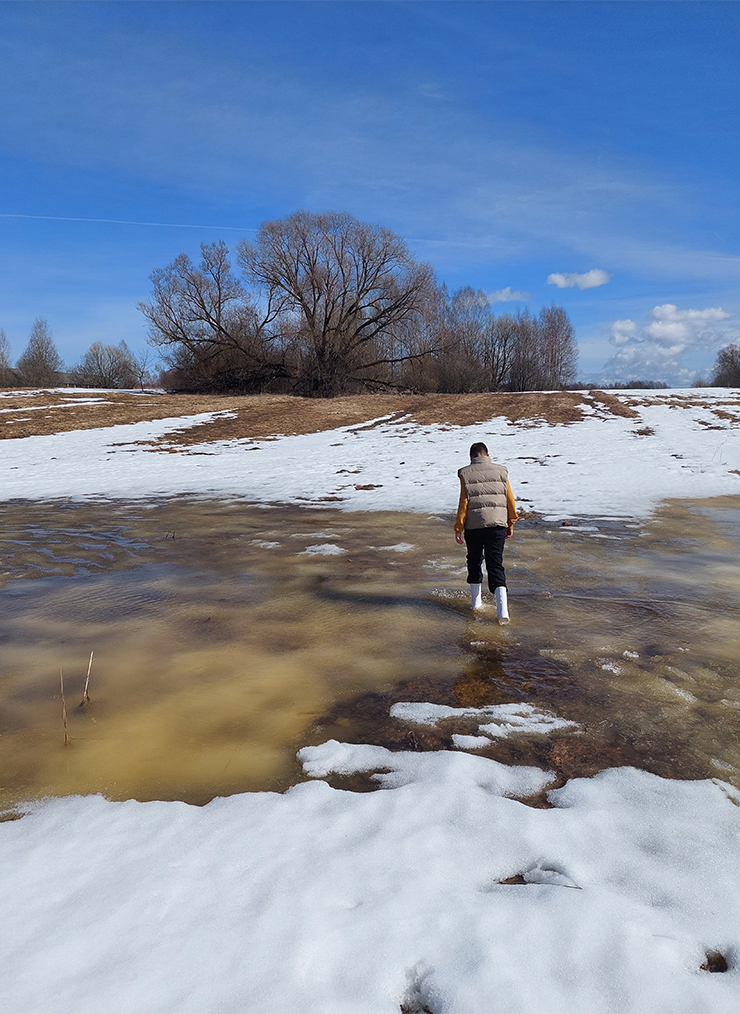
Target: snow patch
[[324, 549], [495, 721]]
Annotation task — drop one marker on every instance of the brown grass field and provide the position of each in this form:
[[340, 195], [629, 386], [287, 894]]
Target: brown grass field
[[259, 416], [255, 417]]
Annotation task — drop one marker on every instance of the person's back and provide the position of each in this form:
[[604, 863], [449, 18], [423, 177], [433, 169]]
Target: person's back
[[485, 485]]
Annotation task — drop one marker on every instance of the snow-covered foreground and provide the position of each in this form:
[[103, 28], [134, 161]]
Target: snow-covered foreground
[[322, 901], [601, 466]]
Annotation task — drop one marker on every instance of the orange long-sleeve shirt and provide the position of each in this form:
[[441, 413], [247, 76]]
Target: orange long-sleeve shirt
[[462, 507]]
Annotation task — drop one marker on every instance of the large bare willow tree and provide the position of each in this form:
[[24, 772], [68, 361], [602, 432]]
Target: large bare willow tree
[[326, 304], [352, 297]]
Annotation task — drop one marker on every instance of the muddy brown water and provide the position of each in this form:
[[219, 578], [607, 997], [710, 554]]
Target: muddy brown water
[[228, 635]]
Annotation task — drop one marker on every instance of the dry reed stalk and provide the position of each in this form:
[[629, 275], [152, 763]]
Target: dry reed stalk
[[64, 709], [86, 696]]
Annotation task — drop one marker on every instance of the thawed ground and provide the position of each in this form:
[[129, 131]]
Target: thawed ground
[[557, 823]]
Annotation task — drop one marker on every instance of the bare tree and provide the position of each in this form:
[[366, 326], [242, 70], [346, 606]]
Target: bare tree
[[142, 364], [499, 343], [526, 373], [348, 295], [425, 343], [559, 350], [727, 367], [483, 343], [544, 352], [208, 324], [40, 364], [4, 359], [106, 366], [466, 318], [477, 351]]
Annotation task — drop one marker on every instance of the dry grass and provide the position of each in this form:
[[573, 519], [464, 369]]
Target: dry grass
[[731, 417], [40, 414], [263, 416], [613, 405], [260, 417], [727, 410], [64, 709], [85, 702]]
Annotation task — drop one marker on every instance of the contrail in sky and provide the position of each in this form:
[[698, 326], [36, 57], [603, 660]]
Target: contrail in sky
[[115, 221]]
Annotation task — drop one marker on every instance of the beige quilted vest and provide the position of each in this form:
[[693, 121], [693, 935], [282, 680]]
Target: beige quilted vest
[[485, 484]]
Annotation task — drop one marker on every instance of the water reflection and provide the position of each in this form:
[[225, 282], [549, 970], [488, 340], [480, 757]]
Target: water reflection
[[228, 635]]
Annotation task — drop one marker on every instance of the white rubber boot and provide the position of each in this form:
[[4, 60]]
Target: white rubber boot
[[502, 606], [476, 598]]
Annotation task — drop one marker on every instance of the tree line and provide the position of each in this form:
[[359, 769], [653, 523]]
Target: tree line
[[103, 365], [323, 304]]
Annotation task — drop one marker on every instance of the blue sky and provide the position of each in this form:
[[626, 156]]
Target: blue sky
[[508, 143]]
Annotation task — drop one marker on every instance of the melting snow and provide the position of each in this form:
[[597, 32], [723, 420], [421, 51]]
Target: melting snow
[[495, 722], [591, 468], [324, 549], [332, 902], [442, 891]]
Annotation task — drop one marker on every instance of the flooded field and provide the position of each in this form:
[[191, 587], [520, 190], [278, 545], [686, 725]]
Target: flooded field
[[226, 636]]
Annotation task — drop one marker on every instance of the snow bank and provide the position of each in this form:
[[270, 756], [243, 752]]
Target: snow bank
[[331, 902], [599, 467]]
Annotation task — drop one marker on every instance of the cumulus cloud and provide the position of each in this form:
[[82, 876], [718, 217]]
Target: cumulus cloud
[[668, 344], [570, 280], [672, 324], [622, 330], [507, 295]]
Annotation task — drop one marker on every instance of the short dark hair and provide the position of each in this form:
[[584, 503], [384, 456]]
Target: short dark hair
[[476, 449]]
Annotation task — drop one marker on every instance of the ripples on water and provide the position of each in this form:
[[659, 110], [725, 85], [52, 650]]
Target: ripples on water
[[228, 635]]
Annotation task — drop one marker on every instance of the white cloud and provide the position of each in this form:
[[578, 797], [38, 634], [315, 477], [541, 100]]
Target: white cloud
[[621, 331], [671, 324], [588, 280], [507, 295], [669, 311], [660, 348]]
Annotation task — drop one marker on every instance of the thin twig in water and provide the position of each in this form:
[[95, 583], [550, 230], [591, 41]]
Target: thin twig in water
[[86, 696], [64, 709]]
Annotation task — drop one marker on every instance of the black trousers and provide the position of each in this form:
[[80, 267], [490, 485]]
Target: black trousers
[[488, 542]]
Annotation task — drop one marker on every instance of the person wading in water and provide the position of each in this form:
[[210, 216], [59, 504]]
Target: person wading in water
[[485, 517]]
